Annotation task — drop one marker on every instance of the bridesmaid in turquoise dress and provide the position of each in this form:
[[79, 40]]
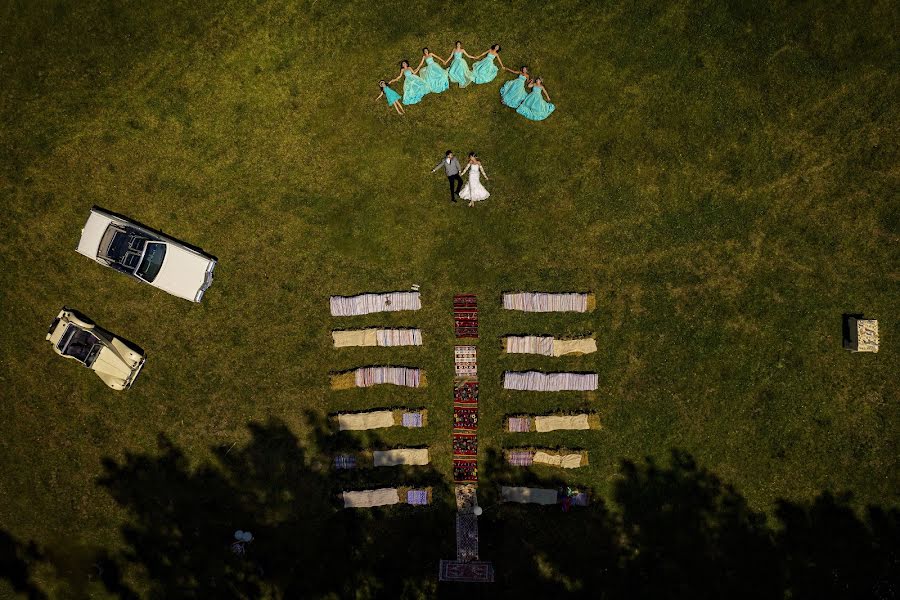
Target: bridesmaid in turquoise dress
[[414, 87], [434, 76], [534, 107], [460, 72], [513, 92], [484, 71], [392, 97]]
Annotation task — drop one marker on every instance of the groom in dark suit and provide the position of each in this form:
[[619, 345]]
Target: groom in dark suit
[[451, 167]]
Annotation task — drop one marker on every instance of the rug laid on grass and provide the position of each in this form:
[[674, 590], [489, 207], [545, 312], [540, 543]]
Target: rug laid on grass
[[465, 470], [549, 302], [344, 462], [557, 422], [548, 346], [465, 392], [412, 419], [466, 537], [377, 419], [519, 424], [529, 495], [465, 315], [371, 498], [366, 420], [465, 572], [465, 418], [378, 375], [347, 338], [520, 458], [465, 444], [565, 459], [400, 456], [417, 497], [465, 361], [386, 497], [466, 497], [544, 423], [364, 304], [536, 381]]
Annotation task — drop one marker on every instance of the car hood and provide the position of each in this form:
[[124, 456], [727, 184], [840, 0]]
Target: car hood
[[183, 272], [114, 370]]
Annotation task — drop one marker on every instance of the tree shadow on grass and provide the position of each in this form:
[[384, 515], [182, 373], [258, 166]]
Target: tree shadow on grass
[[182, 520], [16, 560], [541, 551], [672, 531], [677, 531]]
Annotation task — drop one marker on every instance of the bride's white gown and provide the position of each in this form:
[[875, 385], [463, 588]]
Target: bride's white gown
[[473, 190]]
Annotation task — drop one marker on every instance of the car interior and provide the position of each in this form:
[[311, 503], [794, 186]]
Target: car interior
[[79, 344], [122, 246]]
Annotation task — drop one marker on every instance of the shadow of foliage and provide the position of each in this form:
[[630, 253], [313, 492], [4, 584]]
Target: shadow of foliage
[[16, 559], [677, 531], [668, 531], [305, 545]]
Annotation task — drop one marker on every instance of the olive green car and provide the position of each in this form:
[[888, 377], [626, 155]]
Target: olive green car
[[113, 360]]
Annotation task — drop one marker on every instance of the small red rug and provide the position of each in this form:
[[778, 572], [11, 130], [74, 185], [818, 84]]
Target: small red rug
[[465, 444], [465, 418], [465, 469], [465, 315], [465, 392]]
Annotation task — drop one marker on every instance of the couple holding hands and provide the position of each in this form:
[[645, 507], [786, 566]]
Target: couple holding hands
[[472, 191]]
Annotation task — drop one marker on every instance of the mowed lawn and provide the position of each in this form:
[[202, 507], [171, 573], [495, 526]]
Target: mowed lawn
[[722, 175]]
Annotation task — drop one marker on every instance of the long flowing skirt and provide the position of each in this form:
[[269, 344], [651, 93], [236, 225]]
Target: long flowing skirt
[[534, 107], [513, 92], [414, 89], [460, 72], [473, 190], [484, 71], [436, 78]]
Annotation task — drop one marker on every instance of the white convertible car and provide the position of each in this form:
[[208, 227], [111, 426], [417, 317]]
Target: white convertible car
[[113, 360], [146, 255]]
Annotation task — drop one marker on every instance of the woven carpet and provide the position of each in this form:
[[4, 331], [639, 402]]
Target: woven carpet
[[465, 315]]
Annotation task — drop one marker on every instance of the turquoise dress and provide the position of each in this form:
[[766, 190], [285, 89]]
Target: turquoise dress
[[534, 106], [513, 92], [414, 87], [390, 95], [484, 70], [459, 70], [435, 76]]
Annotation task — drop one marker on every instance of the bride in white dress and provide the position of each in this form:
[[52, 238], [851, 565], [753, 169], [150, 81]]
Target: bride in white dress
[[473, 191]]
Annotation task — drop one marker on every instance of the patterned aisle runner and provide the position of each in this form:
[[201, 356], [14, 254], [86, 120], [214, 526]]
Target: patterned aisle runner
[[465, 315], [465, 416], [466, 567]]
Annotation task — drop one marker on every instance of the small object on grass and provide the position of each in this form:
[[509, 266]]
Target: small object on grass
[[860, 335]]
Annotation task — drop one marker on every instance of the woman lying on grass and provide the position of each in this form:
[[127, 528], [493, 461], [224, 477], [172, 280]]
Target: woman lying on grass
[[392, 97]]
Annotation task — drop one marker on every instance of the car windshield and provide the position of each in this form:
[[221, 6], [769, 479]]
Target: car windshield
[[153, 259], [79, 344]]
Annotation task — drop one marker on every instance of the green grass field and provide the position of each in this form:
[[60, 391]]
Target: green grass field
[[722, 175]]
